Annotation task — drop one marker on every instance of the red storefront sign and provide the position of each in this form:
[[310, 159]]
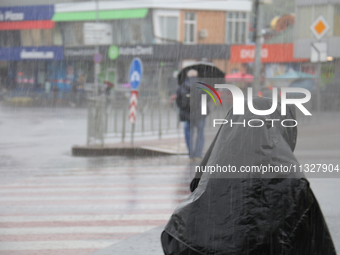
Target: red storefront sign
[[270, 53], [31, 24]]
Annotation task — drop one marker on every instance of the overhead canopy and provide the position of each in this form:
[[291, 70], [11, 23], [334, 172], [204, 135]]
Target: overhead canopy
[[212, 5], [102, 15]]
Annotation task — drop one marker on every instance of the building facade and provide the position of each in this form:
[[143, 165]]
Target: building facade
[[166, 36], [309, 12]]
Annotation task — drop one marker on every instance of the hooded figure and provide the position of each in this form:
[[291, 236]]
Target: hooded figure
[[250, 215]]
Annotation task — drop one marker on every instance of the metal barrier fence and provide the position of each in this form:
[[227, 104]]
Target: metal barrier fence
[[108, 116]]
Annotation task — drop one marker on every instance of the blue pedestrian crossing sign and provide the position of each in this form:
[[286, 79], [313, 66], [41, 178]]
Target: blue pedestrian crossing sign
[[136, 73]]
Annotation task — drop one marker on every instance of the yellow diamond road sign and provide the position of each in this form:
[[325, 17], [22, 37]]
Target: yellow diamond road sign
[[319, 27]]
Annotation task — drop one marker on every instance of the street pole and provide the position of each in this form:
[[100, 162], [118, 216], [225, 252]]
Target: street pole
[[96, 65], [258, 46], [318, 76], [318, 85]]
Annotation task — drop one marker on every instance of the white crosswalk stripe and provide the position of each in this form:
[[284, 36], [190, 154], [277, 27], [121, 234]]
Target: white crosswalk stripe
[[80, 211]]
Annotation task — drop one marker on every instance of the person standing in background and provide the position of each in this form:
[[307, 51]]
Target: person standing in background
[[183, 103], [193, 119]]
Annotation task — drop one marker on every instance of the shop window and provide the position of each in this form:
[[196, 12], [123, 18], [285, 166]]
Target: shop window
[[10, 38], [57, 35], [26, 38], [136, 31], [37, 37], [236, 25], [123, 32], [25, 76], [73, 33], [190, 28]]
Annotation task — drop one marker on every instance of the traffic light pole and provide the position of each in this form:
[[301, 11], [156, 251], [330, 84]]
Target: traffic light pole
[[96, 65], [258, 45]]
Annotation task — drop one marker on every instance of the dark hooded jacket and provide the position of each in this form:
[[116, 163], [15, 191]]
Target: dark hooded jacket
[[252, 215], [183, 100], [188, 100]]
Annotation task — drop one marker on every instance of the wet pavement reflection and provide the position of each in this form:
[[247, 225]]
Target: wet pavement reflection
[[53, 203]]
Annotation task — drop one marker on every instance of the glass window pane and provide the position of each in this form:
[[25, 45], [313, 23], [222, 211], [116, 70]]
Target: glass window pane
[[47, 37], [186, 32], [229, 32], [192, 33], [236, 32], [236, 15], [243, 15], [243, 32], [162, 26], [230, 15], [189, 16], [136, 32], [27, 40], [172, 28]]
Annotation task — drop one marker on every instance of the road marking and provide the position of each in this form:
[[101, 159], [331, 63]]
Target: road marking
[[139, 197], [42, 218], [74, 230], [51, 245], [58, 190]]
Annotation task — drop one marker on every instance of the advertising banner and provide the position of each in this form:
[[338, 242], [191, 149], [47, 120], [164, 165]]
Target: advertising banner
[[23, 13], [32, 53]]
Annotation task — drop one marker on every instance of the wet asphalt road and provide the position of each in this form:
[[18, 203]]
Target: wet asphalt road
[[42, 186]]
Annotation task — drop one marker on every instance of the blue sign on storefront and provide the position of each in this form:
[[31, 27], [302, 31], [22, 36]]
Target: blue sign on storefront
[[21, 13], [32, 53]]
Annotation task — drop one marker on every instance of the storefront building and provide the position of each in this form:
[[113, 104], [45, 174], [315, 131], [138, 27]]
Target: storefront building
[[166, 36], [277, 59], [327, 33], [143, 27], [30, 46]]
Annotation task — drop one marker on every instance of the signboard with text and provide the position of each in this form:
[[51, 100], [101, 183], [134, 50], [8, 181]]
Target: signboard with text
[[23, 13], [270, 53], [97, 34], [32, 53]]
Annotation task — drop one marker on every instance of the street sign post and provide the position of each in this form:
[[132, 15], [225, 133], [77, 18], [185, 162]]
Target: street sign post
[[135, 78], [136, 73], [133, 106], [320, 27], [318, 52]]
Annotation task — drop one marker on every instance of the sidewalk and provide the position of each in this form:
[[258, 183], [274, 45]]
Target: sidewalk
[[151, 146]]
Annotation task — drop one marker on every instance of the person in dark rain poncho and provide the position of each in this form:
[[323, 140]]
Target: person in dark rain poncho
[[250, 215]]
